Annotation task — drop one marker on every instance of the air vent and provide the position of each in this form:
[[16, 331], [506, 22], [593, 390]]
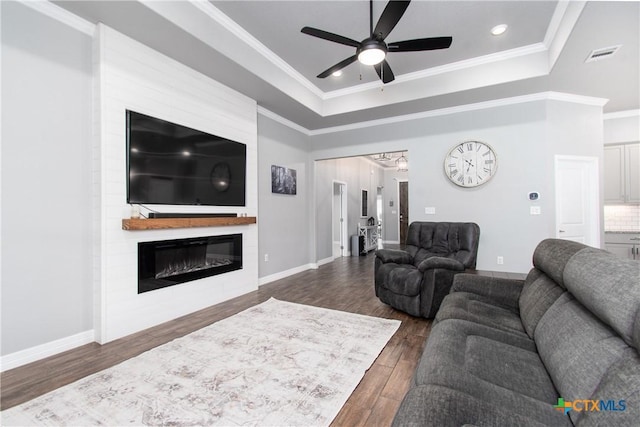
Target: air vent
[[598, 54]]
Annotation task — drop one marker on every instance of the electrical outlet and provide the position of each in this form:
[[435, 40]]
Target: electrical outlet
[[535, 210], [430, 211], [500, 260], [266, 257]]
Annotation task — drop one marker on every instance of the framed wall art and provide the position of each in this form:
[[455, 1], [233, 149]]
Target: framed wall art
[[283, 180]]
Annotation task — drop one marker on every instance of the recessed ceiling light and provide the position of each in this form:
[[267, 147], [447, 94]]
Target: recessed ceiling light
[[499, 29], [337, 73]]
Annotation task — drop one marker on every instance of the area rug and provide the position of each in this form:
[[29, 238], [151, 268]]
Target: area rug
[[275, 364]]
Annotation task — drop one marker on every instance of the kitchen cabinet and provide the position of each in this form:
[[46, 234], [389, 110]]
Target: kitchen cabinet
[[622, 174], [624, 245]]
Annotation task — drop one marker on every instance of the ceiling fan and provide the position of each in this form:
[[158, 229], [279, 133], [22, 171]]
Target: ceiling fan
[[373, 49]]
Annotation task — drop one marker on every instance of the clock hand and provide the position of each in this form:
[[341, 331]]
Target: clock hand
[[469, 163]]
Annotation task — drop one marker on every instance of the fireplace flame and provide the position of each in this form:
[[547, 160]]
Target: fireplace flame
[[184, 267]]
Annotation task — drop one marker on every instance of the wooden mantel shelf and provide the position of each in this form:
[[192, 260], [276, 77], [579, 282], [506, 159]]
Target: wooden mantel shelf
[[162, 223]]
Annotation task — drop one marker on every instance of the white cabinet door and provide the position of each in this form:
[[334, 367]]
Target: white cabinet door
[[614, 181], [623, 251], [632, 169]]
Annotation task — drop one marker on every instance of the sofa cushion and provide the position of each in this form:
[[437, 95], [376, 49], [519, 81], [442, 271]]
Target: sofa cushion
[[539, 292], [437, 405], [620, 385], [551, 256], [403, 279], [499, 367], [479, 309], [608, 286], [577, 348], [446, 239]]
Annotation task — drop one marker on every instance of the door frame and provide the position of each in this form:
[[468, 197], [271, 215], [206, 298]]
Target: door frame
[[593, 193], [344, 243], [398, 181]]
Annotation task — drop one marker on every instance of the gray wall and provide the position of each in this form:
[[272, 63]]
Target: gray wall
[[358, 174], [525, 136], [46, 180], [285, 227]]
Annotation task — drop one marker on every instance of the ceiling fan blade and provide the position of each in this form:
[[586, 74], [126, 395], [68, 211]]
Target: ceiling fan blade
[[339, 66], [389, 18], [330, 36], [384, 72], [416, 45]]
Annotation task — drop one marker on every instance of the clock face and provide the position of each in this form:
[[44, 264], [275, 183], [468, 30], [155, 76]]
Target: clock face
[[470, 164]]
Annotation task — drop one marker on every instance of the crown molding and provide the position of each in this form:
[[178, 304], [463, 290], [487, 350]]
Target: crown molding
[[61, 15], [562, 22], [230, 25], [442, 69], [577, 99], [542, 96], [286, 122], [621, 114]]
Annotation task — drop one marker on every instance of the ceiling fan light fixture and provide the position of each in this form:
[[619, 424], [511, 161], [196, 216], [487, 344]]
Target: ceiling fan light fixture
[[372, 53]]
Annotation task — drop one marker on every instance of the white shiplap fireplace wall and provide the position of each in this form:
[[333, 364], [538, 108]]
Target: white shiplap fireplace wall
[[129, 75]]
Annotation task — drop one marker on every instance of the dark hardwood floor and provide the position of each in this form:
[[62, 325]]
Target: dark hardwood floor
[[345, 284]]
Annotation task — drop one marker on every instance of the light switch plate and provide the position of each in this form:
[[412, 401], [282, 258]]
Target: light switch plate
[[535, 210]]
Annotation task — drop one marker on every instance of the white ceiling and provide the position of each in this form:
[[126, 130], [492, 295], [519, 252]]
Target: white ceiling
[[256, 47]]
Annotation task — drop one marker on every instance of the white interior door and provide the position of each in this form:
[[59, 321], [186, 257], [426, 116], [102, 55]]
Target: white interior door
[[339, 219], [577, 199]]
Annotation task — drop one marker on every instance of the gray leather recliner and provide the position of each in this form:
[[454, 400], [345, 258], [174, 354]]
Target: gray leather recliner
[[416, 280]]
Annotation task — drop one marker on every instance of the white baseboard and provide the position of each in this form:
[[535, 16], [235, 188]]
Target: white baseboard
[[286, 273], [324, 261], [41, 351], [282, 274]]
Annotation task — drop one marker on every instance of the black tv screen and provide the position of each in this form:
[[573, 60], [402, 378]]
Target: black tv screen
[[170, 164]]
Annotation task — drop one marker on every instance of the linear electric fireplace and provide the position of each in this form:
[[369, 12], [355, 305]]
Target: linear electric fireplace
[[170, 262]]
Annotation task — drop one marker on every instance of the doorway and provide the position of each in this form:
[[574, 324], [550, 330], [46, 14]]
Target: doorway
[[380, 213], [403, 210], [577, 199], [339, 219]]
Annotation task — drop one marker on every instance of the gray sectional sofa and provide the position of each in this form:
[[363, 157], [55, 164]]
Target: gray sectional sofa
[[503, 352]]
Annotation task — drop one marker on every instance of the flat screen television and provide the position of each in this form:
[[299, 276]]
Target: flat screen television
[[170, 164]]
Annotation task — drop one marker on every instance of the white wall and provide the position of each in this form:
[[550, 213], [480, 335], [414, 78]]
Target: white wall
[[525, 135], [133, 76], [46, 180]]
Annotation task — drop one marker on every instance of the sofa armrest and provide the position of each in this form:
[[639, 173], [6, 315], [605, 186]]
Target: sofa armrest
[[505, 292], [440, 262], [394, 255]]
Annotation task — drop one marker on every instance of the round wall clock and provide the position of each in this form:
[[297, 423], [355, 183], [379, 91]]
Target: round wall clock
[[470, 164]]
